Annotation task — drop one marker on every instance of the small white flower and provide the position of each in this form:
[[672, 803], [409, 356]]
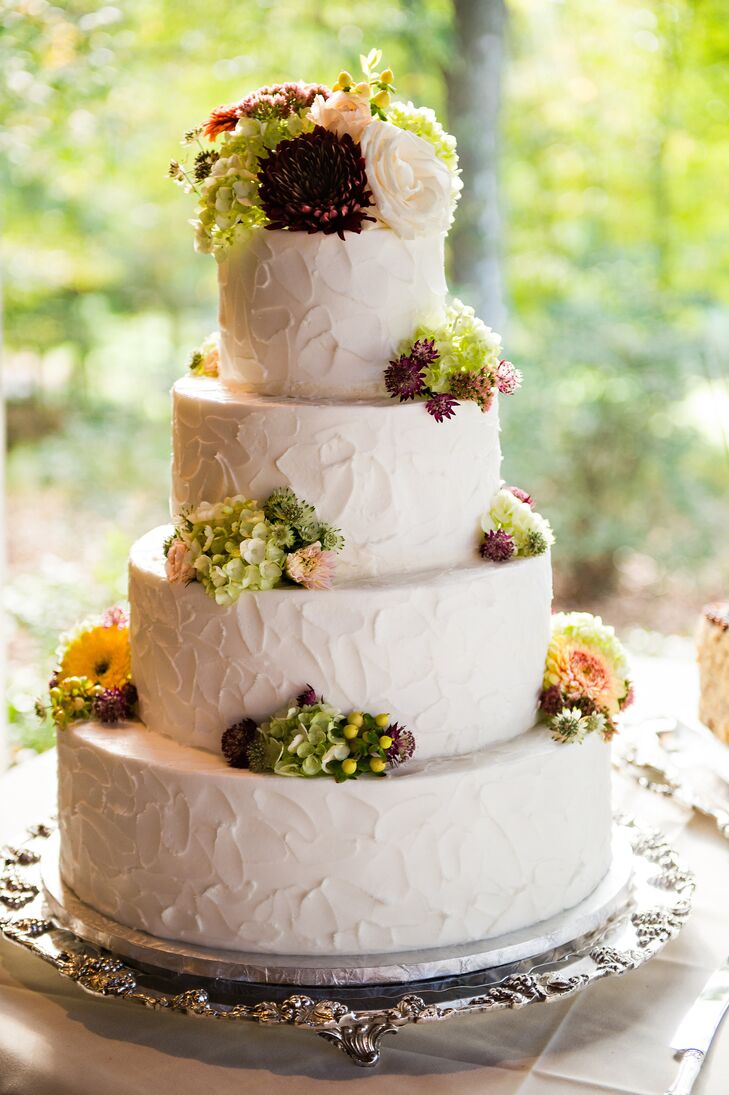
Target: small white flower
[[253, 550]]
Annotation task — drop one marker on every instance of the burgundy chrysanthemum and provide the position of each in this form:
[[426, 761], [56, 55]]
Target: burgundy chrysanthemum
[[236, 741], [307, 698], [522, 495], [508, 377], [271, 101], [114, 704], [403, 745], [498, 546], [404, 378], [441, 406], [551, 701], [478, 387], [315, 183]]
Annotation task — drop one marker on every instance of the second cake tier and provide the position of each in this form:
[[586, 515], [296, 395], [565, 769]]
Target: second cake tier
[[406, 491], [457, 656]]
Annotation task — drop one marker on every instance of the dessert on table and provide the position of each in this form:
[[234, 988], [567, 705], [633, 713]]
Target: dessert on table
[[713, 656], [339, 717]]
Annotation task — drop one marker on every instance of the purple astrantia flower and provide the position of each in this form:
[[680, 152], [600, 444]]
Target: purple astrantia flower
[[508, 377], [236, 741], [551, 701], [404, 378], [522, 495], [115, 704], [441, 406], [424, 351], [498, 546], [307, 698], [403, 745]]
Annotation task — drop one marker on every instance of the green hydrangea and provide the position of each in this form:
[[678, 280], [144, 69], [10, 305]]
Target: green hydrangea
[[228, 199], [319, 740], [422, 121], [238, 545], [232, 547], [464, 343]]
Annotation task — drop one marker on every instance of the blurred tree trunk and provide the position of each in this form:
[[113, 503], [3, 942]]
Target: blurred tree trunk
[[473, 85]]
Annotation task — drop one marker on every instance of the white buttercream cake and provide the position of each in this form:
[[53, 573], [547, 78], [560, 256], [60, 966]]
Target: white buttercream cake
[[493, 825]]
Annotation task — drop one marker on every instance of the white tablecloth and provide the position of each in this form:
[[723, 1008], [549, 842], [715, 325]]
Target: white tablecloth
[[54, 1040]]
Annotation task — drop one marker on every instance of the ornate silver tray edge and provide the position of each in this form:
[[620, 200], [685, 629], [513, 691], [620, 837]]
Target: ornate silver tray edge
[[658, 908]]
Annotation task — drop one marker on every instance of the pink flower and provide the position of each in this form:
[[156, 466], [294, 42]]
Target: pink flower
[[343, 112], [115, 617], [508, 377], [522, 495], [177, 567], [311, 567]]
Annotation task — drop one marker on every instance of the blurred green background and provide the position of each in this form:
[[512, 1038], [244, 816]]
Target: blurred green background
[[610, 254]]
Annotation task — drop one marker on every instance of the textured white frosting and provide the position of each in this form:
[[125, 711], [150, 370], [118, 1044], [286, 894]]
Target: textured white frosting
[[407, 492], [457, 656], [164, 838], [313, 315]]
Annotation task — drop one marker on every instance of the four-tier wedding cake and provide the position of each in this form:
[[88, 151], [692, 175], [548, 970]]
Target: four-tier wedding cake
[[340, 719]]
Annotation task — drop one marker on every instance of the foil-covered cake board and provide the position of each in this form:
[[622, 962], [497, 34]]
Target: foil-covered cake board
[[352, 1003]]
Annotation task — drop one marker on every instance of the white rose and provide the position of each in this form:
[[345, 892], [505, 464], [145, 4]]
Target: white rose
[[343, 112], [177, 565], [410, 185]]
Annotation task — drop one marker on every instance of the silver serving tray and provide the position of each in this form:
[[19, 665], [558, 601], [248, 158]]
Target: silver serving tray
[[679, 760], [643, 903]]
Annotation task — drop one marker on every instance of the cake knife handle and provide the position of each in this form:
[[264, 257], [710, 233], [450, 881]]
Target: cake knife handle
[[688, 1070]]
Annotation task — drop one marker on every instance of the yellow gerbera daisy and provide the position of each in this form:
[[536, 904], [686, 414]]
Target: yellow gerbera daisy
[[100, 653]]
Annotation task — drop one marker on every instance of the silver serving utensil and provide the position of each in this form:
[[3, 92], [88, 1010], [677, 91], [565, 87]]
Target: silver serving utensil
[[697, 1029]]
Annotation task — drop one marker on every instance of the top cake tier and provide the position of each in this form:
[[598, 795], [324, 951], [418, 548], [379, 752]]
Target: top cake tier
[[315, 316]]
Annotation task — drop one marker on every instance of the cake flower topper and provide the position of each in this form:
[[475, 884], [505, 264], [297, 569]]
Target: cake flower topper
[[459, 360], [312, 738], [512, 528], [238, 545], [586, 683], [307, 157], [93, 674]]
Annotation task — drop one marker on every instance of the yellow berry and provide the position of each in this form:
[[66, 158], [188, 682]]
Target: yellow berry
[[345, 79], [387, 76], [356, 718], [349, 766], [350, 731], [376, 764], [385, 741], [381, 99], [382, 721]]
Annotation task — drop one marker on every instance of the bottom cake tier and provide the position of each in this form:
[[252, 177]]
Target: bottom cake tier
[[167, 839]]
